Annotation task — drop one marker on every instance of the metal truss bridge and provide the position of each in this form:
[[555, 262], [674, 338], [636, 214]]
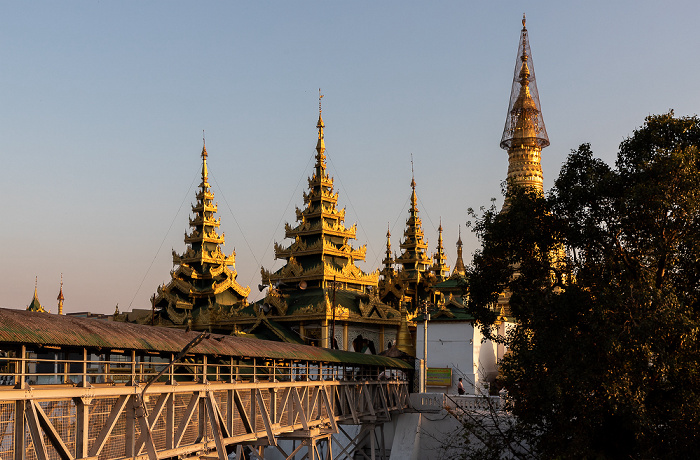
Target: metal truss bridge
[[73, 388]]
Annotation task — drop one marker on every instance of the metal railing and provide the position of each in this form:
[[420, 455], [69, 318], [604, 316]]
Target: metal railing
[[80, 403]]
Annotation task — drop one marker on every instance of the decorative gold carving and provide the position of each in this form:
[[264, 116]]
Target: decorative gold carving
[[274, 299]]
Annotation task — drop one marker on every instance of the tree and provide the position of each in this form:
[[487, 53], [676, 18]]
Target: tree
[[604, 282]]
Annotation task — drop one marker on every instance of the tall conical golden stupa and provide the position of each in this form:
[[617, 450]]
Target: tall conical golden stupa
[[524, 134]]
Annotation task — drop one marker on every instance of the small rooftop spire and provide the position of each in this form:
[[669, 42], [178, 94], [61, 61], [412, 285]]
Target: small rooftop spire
[[35, 305], [60, 297], [321, 145], [205, 170], [459, 264], [413, 177]]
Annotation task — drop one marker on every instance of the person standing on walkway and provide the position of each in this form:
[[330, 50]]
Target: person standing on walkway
[[460, 387]]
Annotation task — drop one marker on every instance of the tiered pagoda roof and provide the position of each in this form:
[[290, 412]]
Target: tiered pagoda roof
[[203, 290], [321, 252], [414, 260], [460, 269], [439, 267], [320, 284]]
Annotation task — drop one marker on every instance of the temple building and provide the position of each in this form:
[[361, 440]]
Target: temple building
[[203, 293], [320, 294]]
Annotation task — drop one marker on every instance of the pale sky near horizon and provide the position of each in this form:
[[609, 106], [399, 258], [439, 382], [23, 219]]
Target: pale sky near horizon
[[103, 104]]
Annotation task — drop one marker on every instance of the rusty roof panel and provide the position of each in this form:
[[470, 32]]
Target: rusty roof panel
[[25, 327]]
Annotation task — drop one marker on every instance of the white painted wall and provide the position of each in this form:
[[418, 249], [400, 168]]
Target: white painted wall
[[450, 344]]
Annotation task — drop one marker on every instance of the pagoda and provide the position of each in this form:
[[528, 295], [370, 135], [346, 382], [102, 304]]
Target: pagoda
[[524, 137], [524, 134], [460, 269], [203, 293], [320, 294], [414, 260], [320, 253], [439, 267], [450, 292]]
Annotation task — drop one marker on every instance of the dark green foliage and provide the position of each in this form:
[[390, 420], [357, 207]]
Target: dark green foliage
[[604, 279]]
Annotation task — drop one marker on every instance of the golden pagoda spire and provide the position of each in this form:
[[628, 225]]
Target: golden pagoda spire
[[459, 265], [203, 280], [321, 254], [321, 145], [440, 268], [205, 170], [524, 134], [388, 260], [60, 297], [414, 260]]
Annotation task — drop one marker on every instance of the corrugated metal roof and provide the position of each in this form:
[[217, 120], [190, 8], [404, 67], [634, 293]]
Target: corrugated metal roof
[[25, 327]]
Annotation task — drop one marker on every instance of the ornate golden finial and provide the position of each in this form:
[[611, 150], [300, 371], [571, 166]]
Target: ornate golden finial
[[524, 21], [321, 144], [60, 297], [205, 170], [413, 176], [460, 269], [388, 240]]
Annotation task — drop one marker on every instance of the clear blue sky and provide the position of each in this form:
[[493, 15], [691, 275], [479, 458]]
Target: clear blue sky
[[103, 104]]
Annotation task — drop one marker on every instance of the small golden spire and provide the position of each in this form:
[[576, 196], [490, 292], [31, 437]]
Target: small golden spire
[[321, 145], [388, 239], [414, 198], [413, 177], [205, 170], [460, 269], [524, 22], [60, 297]]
